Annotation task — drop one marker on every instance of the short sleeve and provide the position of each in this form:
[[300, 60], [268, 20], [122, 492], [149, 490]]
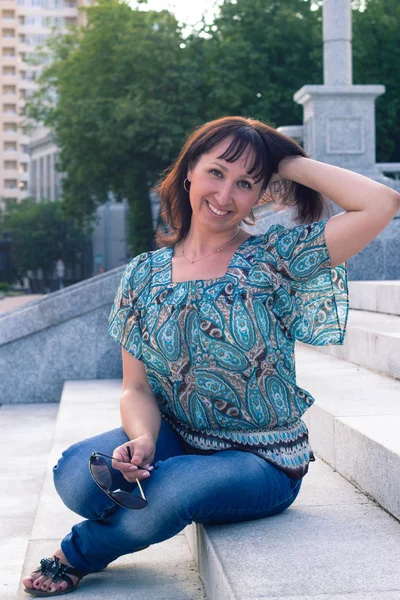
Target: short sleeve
[[124, 319], [311, 298]]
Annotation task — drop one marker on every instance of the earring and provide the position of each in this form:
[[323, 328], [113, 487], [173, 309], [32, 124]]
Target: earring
[[188, 190]]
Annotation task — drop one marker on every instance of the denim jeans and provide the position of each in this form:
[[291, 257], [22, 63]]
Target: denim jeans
[[225, 487]]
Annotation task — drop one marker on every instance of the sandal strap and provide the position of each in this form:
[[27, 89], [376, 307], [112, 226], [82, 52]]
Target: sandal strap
[[52, 567]]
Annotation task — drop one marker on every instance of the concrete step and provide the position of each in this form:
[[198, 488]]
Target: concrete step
[[375, 296], [334, 541], [25, 441], [166, 570], [354, 424], [372, 341]]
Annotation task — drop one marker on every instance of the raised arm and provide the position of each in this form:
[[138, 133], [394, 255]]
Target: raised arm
[[369, 206]]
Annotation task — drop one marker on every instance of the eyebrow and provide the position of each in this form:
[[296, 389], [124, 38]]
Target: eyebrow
[[226, 169]]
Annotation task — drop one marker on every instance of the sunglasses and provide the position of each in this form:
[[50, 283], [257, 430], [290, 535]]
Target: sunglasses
[[102, 475]]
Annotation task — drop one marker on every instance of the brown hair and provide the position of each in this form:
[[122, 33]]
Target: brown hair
[[269, 148]]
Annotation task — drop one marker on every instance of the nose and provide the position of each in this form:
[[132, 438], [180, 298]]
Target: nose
[[224, 195]]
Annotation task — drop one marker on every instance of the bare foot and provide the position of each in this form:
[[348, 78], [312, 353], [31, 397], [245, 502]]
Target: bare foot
[[36, 581]]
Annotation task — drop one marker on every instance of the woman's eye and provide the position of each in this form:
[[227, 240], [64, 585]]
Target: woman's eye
[[247, 184]]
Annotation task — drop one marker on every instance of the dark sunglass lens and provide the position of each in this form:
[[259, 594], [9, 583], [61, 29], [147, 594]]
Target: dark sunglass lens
[[128, 500], [100, 472]]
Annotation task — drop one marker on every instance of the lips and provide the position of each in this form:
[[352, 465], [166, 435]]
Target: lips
[[216, 214]]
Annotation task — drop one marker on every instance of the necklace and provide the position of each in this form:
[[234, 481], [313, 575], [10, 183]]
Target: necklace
[[215, 251]]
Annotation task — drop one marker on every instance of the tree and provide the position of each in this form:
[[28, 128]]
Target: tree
[[121, 110], [255, 56], [376, 53], [40, 235]]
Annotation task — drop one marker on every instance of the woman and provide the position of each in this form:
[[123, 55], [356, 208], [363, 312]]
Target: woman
[[211, 414]]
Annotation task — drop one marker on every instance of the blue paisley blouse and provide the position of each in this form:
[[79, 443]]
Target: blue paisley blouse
[[219, 353]]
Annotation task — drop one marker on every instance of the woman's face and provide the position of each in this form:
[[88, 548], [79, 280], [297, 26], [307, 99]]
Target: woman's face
[[222, 193]]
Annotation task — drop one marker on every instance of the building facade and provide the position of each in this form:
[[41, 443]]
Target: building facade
[[24, 26]]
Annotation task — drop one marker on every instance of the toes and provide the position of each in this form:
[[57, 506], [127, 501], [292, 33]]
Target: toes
[[46, 584], [53, 587], [62, 586], [28, 582], [37, 584]]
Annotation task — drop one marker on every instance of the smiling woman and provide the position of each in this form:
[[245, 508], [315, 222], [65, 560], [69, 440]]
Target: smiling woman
[[232, 160], [208, 324]]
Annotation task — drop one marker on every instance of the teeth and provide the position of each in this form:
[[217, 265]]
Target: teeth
[[217, 212]]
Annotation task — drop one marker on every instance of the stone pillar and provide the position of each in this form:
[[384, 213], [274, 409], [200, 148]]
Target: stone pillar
[[338, 68], [339, 129], [339, 118]]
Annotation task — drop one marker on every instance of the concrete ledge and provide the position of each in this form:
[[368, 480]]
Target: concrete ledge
[[375, 296], [61, 336], [335, 551], [372, 341], [354, 423]]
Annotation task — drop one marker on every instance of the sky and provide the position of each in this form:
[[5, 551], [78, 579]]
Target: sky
[[187, 11]]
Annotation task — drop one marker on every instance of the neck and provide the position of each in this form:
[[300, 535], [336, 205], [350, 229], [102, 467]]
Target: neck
[[200, 243]]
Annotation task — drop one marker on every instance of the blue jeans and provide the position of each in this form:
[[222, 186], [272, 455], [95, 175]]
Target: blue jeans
[[224, 487]]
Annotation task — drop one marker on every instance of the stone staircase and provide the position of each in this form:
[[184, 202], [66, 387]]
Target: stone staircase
[[340, 540]]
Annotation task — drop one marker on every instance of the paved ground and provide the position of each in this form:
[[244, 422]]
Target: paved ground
[[8, 303]]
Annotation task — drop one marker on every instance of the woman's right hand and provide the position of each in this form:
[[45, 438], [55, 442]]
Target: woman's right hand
[[142, 450]]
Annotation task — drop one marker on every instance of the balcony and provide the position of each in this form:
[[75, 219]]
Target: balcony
[[8, 34]]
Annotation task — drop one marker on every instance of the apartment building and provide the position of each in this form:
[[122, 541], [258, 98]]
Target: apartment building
[[24, 26]]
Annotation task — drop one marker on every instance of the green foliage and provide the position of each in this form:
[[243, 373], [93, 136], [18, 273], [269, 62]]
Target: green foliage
[[376, 54], [40, 235], [256, 55], [4, 287]]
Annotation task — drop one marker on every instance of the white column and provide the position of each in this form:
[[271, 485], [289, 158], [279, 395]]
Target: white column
[[337, 42]]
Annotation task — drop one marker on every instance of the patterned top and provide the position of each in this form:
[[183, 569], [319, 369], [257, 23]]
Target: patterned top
[[219, 353]]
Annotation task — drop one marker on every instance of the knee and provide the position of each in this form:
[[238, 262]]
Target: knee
[[75, 485]]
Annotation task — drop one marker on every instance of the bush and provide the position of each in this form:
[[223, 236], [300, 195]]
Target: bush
[[3, 287]]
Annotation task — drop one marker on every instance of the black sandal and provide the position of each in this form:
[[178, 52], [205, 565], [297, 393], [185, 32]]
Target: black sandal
[[51, 567]]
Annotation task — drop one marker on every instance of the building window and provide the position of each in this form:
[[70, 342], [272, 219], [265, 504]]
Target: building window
[[35, 40], [8, 51], [10, 184], [20, 2], [48, 177], [23, 185], [25, 148], [9, 90], [41, 174], [10, 146], [10, 165], [8, 14], [8, 70], [10, 109], [8, 33], [33, 20], [10, 127], [33, 179], [23, 167]]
